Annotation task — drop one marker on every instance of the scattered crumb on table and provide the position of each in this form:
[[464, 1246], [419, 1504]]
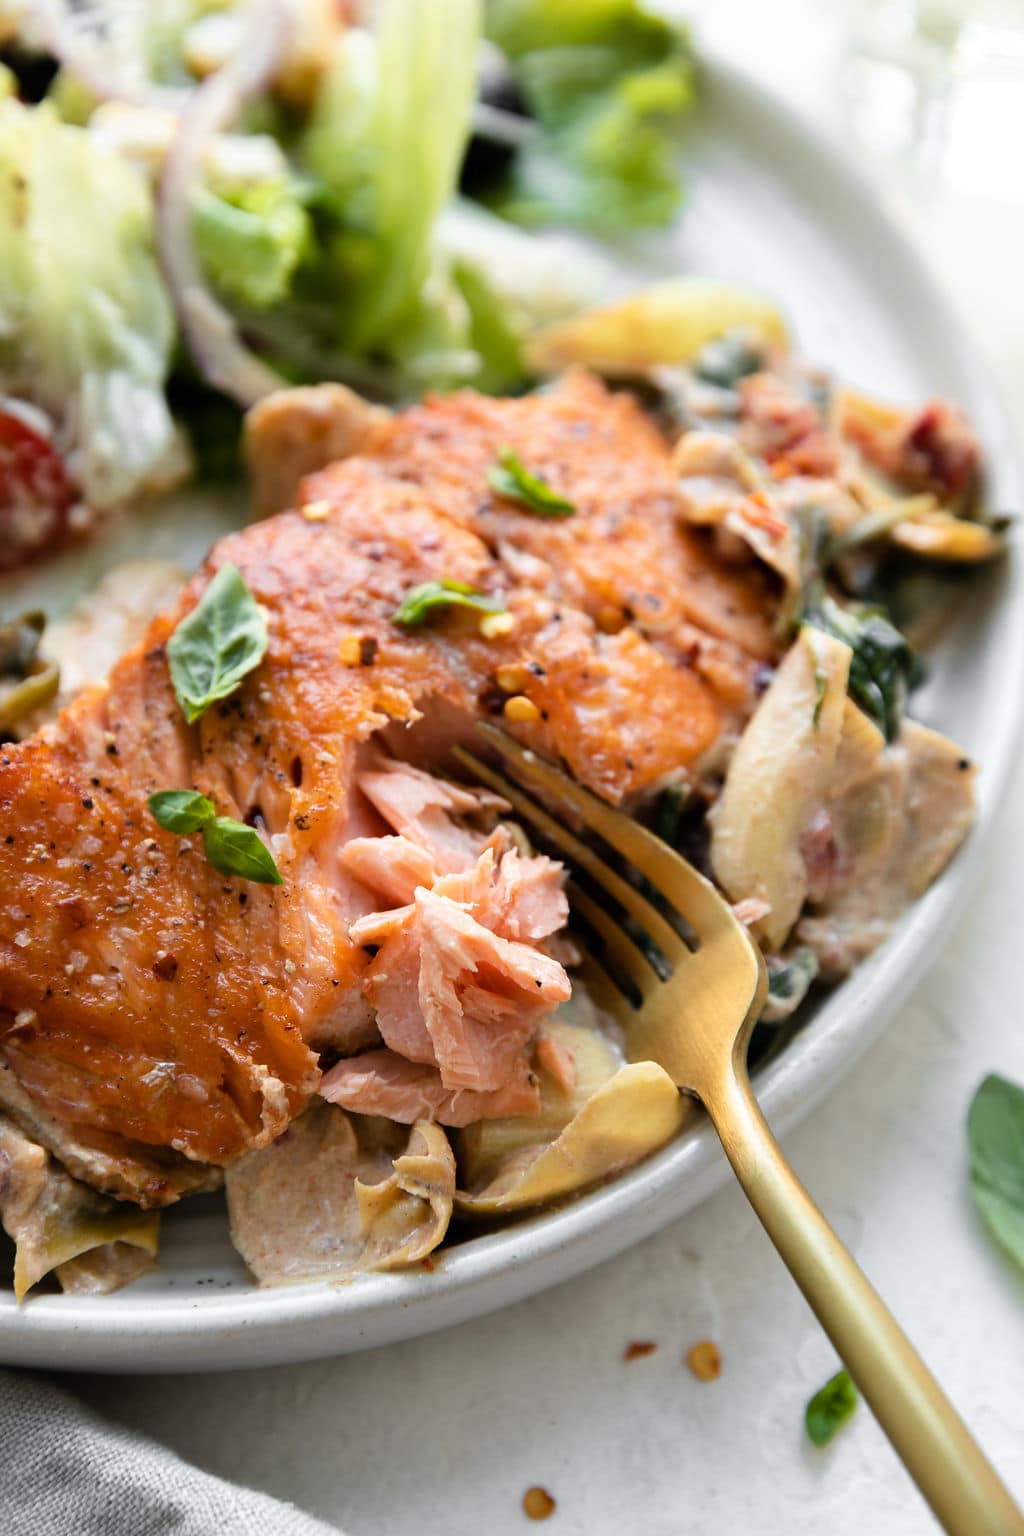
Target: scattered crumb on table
[[704, 1361], [638, 1349], [538, 1504]]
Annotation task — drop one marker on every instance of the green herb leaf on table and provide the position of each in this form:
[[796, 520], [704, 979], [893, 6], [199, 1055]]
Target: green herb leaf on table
[[230, 846], [217, 644], [510, 477], [829, 1409], [419, 603], [995, 1134]]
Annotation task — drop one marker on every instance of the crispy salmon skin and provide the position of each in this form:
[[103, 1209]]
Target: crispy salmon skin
[[146, 999]]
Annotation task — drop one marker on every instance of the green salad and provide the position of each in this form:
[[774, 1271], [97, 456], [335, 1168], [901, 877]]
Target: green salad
[[202, 200]]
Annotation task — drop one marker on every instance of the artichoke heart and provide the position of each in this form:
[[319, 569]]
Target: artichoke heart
[[91, 1243], [337, 1195], [778, 779], [665, 323], [614, 1117]]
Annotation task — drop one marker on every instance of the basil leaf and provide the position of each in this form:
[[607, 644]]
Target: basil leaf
[[995, 1134], [217, 644], [830, 1408], [884, 666], [420, 602], [230, 846], [235, 849], [510, 478], [182, 810]]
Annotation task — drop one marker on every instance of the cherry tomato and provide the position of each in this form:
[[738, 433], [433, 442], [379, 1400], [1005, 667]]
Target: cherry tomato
[[36, 493]]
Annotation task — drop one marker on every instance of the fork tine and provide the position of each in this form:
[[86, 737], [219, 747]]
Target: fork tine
[[629, 898], [678, 881], [628, 958]]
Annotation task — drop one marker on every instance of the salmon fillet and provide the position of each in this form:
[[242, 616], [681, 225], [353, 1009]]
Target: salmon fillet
[[147, 1001]]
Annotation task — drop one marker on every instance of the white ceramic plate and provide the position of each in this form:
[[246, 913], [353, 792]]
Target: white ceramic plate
[[772, 207]]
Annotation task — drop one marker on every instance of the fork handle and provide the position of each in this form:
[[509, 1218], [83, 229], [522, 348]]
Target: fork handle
[[942, 1457]]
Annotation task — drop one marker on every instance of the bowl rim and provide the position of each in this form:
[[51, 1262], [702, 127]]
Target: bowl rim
[[248, 1327]]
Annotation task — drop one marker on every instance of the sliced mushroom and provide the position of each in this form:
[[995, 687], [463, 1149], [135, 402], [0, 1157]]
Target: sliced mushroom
[[615, 1116], [778, 782], [335, 1196], [665, 323], [59, 1225]]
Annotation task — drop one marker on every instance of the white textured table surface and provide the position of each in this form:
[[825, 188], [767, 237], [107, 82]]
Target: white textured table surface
[[443, 1435]]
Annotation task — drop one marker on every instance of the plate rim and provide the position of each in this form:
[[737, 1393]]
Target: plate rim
[[248, 1328]]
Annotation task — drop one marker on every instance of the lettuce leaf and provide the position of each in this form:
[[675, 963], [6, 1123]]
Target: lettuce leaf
[[384, 143], [608, 83], [251, 239], [86, 328], [386, 140]]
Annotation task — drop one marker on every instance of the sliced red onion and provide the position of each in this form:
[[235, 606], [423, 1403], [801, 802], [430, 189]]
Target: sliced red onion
[[210, 330]]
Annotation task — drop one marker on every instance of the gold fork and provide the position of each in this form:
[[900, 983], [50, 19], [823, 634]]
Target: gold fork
[[690, 1004]]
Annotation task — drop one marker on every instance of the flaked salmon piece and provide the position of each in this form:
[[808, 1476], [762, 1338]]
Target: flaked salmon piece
[[452, 993], [392, 985], [482, 996], [421, 808], [481, 1000], [377, 927], [381, 1083], [556, 1060], [391, 867], [520, 898]]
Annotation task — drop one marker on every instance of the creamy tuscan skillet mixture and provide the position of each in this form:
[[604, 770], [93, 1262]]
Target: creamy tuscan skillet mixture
[[256, 934]]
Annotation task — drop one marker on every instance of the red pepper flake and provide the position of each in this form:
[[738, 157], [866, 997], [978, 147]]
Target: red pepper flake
[[639, 1349], [428, 1263], [538, 1504], [704, 1361], [756, 510]]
